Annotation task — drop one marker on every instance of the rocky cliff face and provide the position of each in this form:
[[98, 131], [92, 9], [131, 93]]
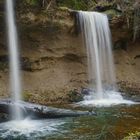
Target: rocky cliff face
[[53, 58]]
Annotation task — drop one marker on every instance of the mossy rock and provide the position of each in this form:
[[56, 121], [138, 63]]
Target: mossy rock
[[63, 8], [112, 13], [4, 117], [75, 96]]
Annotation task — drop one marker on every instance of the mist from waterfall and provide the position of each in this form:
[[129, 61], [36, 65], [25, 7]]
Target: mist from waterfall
[[97, 38], [14, 59]]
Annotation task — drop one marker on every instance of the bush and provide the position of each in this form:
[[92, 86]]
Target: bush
[[33, 2], [74, 4]]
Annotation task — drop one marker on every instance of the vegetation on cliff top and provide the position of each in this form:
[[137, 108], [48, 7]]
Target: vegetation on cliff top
[[133, 136], [83, 4]]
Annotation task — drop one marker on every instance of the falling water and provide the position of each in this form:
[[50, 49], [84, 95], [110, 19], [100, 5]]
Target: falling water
[[14, 59], [97, 36], [98, 41]]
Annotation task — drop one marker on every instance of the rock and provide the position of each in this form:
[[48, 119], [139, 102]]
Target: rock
[[3, 117], [75, 96], [85, 91], [121, 44], [112, 13], [130, 89]]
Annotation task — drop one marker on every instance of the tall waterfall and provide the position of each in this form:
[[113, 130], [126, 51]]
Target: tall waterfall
[[101, 71], [96, 31], [14, 59]]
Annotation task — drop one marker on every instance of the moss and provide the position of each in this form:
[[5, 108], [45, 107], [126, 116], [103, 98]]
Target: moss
[[27, 96], [75, 96], [133, 136], [63, 8], [3, 66], [112, 13]]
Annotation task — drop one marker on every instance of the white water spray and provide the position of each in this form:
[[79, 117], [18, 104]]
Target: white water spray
[[14, 59], [97, 36]]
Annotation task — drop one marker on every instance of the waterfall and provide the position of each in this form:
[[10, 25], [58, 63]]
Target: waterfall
[[97, 37], [14, 59]]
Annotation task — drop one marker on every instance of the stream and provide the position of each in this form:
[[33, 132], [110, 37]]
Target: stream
[[112, 123]]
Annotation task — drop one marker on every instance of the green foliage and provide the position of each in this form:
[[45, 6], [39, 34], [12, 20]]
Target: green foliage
[[32, 2], [74, 4], [27, 96], [133, 136]]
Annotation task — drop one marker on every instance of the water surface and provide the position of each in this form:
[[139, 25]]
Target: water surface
[[112, 123]]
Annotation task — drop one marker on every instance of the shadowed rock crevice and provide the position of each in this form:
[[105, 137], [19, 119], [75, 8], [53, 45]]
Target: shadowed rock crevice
[[46, 62]]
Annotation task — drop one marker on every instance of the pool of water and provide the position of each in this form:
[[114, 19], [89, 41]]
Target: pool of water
[[110, 123], [29, 129]]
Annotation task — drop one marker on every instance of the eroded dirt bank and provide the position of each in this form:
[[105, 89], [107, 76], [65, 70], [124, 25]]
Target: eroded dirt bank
[[53, 57]]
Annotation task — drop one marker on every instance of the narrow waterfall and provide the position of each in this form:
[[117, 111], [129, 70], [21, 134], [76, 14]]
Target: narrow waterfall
[[14, 59], [97, 36]]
